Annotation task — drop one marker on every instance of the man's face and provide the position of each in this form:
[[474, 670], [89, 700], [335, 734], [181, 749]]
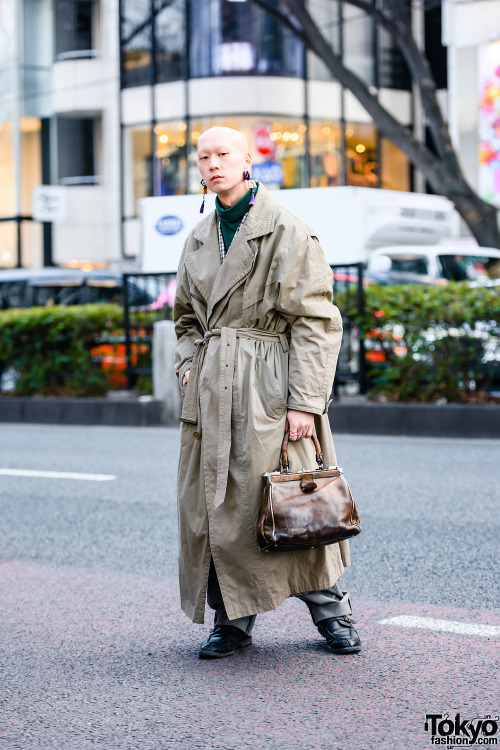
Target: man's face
[[222, 160]]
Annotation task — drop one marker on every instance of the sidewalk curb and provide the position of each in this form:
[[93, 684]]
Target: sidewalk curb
[[81, 411], [429, 420], [363, 418]]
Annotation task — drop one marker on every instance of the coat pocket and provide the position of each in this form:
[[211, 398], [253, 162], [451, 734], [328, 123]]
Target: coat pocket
[[270, 390]]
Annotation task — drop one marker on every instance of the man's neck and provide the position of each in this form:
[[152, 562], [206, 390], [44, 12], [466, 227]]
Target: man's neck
[[230, 197]]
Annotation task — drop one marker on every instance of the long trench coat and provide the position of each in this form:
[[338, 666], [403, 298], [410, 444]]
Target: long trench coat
[[260, 335]]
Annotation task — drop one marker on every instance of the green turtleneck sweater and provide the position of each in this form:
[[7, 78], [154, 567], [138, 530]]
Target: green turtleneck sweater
[[230, 218]]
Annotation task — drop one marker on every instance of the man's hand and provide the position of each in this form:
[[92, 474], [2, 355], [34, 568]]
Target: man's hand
[[186, 377], [300, 424]]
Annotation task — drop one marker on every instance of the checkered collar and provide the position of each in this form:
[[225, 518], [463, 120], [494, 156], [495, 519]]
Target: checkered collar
[[222, 247]]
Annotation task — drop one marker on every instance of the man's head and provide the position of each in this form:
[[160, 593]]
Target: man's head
[[223, 157]]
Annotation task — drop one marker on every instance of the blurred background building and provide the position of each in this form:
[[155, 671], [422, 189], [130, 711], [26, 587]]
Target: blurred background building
[[106, 99]]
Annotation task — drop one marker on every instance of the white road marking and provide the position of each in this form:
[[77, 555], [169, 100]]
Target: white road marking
[[447, 626], [57, 475]]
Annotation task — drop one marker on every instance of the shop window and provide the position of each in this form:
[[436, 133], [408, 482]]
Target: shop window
[[31, 160], [136, 36], [361, 155], [170, 159], [74, 28], [77, 150], [7, 191], [277, 149], [137, 177], [324, 153], [395, 167]]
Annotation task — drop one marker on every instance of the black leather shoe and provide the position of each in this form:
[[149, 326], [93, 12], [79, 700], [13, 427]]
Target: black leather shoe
[[341, 636], [224, 640]]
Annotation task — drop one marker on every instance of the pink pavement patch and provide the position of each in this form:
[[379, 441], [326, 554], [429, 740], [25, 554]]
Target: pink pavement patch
[[109, 660]]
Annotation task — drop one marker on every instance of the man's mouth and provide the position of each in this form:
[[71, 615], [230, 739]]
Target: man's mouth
[[216, 177]]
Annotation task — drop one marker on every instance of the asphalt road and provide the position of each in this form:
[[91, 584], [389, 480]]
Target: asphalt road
[[94, 651]]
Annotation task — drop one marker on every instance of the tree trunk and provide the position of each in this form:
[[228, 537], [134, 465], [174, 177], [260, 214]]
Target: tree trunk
[[443, 172], [480, 217]]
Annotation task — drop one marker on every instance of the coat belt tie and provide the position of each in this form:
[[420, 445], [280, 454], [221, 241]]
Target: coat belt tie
[[227, 361]]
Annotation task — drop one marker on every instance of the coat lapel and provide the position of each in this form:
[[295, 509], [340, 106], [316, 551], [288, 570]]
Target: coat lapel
[[242, 253], [236, 267], [215, 281], [203, 265]]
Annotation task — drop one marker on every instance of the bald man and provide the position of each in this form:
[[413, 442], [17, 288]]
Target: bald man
[[257, 344]]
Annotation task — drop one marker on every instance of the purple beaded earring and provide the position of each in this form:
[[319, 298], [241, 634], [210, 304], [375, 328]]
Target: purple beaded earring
[[252, 185], [205, 189]]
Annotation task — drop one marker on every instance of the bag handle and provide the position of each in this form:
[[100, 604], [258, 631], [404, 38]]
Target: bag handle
[[285, 466]]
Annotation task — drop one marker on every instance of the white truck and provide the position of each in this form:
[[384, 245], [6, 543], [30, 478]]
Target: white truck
[[349, 222]]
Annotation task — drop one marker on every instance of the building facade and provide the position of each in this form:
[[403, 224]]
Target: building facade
[[106, 98]]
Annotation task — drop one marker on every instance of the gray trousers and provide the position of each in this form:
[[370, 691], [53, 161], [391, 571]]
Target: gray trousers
[[332, 602]]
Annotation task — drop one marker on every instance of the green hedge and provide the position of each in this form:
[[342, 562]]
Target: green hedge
[[49, 348], [434, 343]]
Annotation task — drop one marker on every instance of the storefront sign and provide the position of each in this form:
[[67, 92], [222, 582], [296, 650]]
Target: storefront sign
[[269, 172], [169, 225], [263, 141], [49, 203]]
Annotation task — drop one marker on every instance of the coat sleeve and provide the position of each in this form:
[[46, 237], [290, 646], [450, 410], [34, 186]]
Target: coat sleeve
[[187, 327], [305, 301]]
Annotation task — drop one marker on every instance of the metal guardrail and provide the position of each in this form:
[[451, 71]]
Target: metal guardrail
[[149, 297], [348, 286]]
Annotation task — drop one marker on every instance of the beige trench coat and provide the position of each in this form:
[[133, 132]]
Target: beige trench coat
[[260, 334]]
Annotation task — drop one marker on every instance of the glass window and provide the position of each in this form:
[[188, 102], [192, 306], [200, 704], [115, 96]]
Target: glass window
[[326, 15], [361, 155], [7, 204], [31, 160], [135, 42], [73, 28], [137, 178], [436, 53], [393, 72], [228, 37], [410, 264], [12, 294], [8, 244], [277, 148], [469, 267], [358, 43], [76, 150], [324, 150], [395, 167], [45, 296], [170, 158], [170, 33]]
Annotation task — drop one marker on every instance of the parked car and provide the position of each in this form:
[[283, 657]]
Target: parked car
[[28, 287], [434, 264]]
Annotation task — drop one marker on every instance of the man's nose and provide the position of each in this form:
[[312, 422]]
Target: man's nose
[[214, 162]]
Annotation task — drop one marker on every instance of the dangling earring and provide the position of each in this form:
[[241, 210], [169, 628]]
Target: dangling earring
[[205, 189], [252, 185]]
